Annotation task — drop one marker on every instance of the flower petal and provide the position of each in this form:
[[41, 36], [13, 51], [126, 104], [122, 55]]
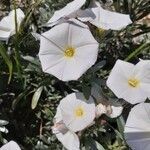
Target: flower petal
[[137, 128], [59, 21], [136, 144], [57, 68], [134, 95], [142, 71], [113, 20], [70, 8], [58, 35], [81, 37], [86, 15], [100, 109], [70, 140], [63, 134], [105, 19], [7, 24], [138, 119], [83, 60], [4, 35], [118, 78], [116, 111], [58, 116], [10, 146]]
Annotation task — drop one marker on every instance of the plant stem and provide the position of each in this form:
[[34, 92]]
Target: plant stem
[[137, 51], [16, 50]]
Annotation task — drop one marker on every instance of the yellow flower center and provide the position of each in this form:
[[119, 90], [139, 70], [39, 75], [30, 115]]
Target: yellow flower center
[[69, 52], [133, 82], [79, 111]]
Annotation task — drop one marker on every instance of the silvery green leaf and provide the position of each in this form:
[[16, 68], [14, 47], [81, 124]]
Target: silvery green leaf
[[36, 97], [3, 129], [3, 122]]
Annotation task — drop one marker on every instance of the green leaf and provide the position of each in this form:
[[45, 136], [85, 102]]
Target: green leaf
[[3, 129], [97, 67], [7, 60], [99, 146], [121, 124], [20, 97], [3, 122], [119, 134], [36, 97], [92, 144], [137, 51], [31, 60], [86, 91]]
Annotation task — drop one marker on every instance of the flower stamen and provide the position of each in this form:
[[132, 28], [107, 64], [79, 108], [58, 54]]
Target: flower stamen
[[69, 52], [133, 82], [79, 111]]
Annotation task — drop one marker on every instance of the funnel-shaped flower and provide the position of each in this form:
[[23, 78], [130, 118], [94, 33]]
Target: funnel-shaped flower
[[7, 24], [77, 112], [137, 128], [68, 11], [68, 138], [130, 82], [104, 19], [68, 50]]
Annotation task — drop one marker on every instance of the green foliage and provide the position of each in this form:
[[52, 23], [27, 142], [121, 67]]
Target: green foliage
[[7, 60]]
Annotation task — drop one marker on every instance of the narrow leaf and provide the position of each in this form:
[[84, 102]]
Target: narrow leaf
[[86, 91], [97, 67], [99, 146], [3, 122], [36, 97], [20, 97], [137, 51], [92, 144], [121, 124], [7, 60]]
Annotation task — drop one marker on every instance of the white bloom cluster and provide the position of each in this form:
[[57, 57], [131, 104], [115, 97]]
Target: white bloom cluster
[[132, 83], [74, 114], [67, 51]]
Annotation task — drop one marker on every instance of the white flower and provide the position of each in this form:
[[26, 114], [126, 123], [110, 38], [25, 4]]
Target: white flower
[[104, 106], [104, 19], [145, 68], [7, 24], [137, 128], [69, 11], [130, 82], [10, 146], [115, 111], [145, 65], [77, 112], [68, 138], [100, 110], [110, 111], [68, 50]]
